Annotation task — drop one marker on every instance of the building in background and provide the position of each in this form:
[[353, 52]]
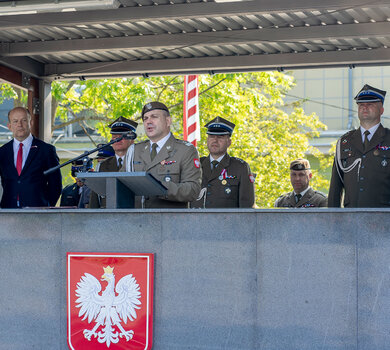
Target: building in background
[[329, 93]]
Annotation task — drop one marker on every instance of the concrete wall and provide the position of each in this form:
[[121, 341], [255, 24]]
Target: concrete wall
[[251, 279]]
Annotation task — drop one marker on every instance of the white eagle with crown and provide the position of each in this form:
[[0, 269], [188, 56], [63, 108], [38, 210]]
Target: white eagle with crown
[[108, 309]]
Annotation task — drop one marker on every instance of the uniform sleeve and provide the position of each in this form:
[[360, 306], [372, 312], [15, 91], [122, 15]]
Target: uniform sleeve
[[53, 180], [323, 203], [187, 190], [247, 188], [335, 189]]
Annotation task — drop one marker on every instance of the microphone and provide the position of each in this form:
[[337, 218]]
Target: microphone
[[131, 135]]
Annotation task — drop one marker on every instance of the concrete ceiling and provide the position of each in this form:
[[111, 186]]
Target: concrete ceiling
[[162, 37]]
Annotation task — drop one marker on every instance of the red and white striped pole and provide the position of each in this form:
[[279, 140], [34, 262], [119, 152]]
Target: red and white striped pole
[[191, 127]]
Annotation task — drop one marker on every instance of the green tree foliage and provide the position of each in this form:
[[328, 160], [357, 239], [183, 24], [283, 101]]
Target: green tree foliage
[[268, 133]]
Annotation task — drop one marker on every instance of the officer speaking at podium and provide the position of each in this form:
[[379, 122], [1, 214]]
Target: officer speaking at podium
[[175, 163]]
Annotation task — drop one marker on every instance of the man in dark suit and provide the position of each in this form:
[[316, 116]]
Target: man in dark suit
[[361, 169], [22, 163], [112, 164], [303, 195], [227, 182]]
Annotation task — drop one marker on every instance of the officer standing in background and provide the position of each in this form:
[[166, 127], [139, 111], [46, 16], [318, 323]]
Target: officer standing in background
[[227, 182], [303, 195], [361, 169], [175, 163], [103, 154], [119, 127], [77, 194]]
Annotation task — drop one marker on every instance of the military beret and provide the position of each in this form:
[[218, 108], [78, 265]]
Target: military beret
[[300, 164], [219, 126], [154, 105], [370, 94], [123, 125]]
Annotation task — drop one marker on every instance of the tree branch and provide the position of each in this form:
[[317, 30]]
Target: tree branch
[[200, 93]]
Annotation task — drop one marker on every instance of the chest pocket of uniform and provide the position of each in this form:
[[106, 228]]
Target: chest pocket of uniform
[[232, 182], [347, 157], [382, 161], [171, 170]]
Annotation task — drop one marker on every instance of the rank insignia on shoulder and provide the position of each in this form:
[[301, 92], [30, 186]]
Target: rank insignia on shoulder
[[169, 147], [196, 163], [251, 178], [345, 141]]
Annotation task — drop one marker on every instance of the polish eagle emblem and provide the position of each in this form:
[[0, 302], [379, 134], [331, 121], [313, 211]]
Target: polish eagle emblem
[[114, 306]]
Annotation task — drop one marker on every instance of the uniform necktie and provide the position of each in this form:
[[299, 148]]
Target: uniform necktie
[[19, 159], [297, 197], [154, 151], [365, 143], [215, 164], [119, 163]]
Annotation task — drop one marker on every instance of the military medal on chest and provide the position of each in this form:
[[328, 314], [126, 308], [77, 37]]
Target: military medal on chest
[[223, 176]]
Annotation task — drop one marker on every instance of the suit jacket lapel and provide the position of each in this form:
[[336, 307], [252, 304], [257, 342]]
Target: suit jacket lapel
[[163, 154], [145, 154], [223, 164], [31, 155], [356, 140], [291, 199], [306, 197], [10, 156]]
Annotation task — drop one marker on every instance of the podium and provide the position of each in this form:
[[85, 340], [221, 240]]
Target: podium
[[120, 188]]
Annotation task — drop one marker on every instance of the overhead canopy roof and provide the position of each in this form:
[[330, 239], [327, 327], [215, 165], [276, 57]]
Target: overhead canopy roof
[[176, 37]]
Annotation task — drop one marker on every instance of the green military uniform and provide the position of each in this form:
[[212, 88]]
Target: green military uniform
[[176, 166], [229, 185], [108, 165], [367, 183], [310, 199]]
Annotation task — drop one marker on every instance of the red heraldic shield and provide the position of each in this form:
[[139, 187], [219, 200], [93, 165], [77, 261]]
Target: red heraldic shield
[[110, 301]]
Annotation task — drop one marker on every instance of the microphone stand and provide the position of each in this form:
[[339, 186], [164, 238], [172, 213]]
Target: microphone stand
[[129, 136]]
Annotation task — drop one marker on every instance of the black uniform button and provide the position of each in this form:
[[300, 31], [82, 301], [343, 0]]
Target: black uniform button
[[362, 166], [364, 156], [18, 181], [361, 189], [361, 178], [208, 185]]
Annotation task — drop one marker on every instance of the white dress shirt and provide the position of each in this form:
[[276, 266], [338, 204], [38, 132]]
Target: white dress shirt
[[26, 149], [371, 130], [160, 143]]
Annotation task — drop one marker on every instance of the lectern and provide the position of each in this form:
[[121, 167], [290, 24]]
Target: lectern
[[120, 188]]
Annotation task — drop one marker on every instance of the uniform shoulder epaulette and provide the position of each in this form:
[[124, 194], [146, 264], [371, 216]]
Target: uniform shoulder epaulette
[[348, 133], [320, 193], [184, 142], [239, 159], [141, 142]]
